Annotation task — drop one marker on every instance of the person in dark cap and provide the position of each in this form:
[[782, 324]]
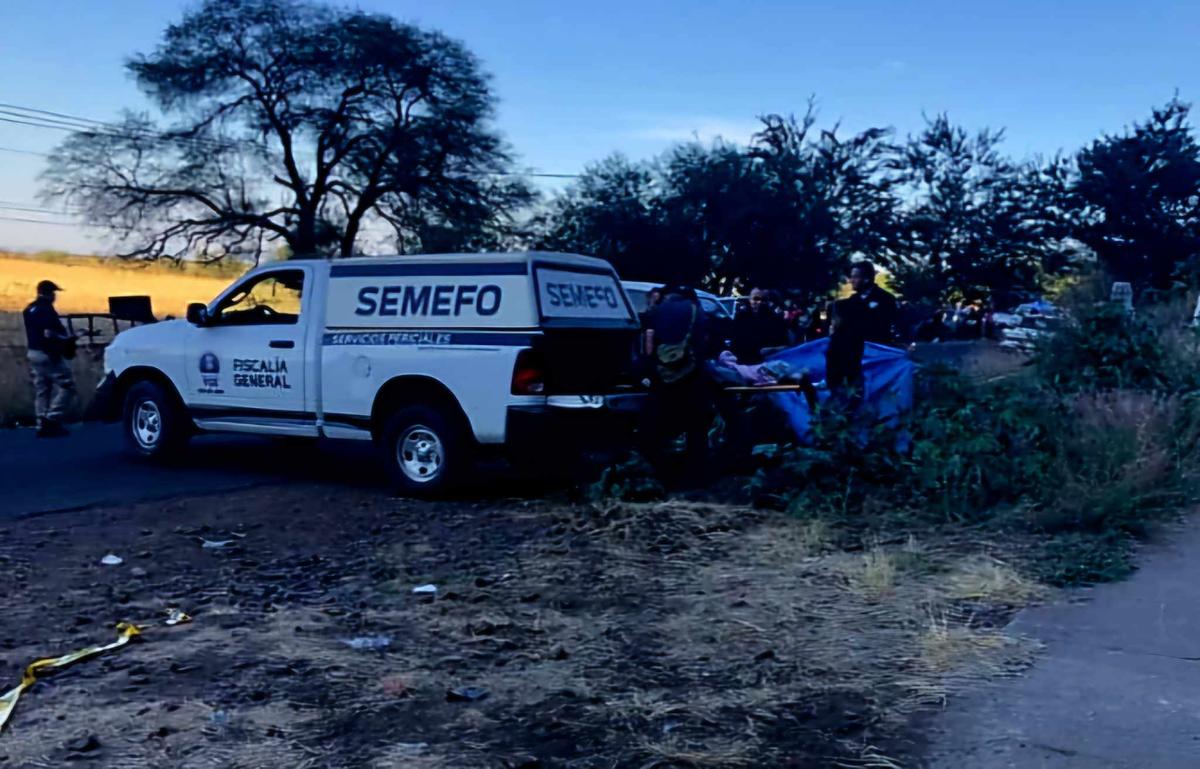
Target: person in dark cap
[[49, 344]]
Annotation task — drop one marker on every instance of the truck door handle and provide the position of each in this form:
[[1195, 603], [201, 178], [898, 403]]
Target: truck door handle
[[282, 344]]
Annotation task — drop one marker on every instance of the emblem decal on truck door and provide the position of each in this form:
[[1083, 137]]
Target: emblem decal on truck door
[[210, 374]]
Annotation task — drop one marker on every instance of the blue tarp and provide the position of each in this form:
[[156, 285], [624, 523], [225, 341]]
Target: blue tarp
[[889, 383]]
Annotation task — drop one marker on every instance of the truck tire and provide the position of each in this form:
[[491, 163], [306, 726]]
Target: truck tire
[[155, 426], [425, 451]]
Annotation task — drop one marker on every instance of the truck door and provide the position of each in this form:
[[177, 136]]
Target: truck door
[[247, 361]]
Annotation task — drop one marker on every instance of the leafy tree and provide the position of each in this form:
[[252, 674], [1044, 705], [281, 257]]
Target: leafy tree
[[791, 211], [976, 224], [298, 122], [1140, 192], [828, 202], [611, 212]]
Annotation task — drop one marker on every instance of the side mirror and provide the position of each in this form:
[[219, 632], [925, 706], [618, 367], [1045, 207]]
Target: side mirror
[[197, 314]]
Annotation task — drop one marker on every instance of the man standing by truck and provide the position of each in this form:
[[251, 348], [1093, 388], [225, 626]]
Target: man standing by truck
[[49, 344], [680, 397]]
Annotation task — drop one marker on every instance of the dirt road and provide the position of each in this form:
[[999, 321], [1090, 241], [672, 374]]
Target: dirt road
[[677, 635]]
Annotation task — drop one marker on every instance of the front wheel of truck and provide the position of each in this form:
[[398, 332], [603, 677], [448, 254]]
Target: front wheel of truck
[[155, 425], [424, 450]]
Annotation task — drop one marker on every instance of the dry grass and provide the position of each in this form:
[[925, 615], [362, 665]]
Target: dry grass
[[816, 534], [946, 645], [829, 624], [89, 281], [983, 578], [876, 575]]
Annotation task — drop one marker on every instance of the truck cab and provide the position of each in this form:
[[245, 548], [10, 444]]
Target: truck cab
[[435, 358]]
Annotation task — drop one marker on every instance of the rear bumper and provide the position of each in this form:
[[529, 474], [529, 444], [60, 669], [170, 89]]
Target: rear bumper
[[573, 424]]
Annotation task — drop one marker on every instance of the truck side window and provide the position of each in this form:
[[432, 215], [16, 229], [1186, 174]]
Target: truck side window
[[271, 299]]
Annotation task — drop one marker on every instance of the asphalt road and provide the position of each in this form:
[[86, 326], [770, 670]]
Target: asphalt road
[[89, 468], [1118, 685]]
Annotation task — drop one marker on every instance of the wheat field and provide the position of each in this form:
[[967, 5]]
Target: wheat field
[[87, 281]]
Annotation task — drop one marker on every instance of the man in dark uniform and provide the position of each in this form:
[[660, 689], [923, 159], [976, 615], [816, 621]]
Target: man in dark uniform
[[878, 307], [680, 397], [844, 355], [758, 328], [48, 341]]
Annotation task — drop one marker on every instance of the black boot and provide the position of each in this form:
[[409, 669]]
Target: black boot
[[52, 429]]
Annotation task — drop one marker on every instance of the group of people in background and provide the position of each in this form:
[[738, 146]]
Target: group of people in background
[[766, 325], [963, 321], [679, 336]]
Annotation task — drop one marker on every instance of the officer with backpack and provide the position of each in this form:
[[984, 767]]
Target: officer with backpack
[[680, 392]]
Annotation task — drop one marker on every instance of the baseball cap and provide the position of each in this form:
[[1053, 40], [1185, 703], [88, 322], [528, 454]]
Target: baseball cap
[[46, 286]]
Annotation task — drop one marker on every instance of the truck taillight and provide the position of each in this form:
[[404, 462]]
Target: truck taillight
[[529, 374]]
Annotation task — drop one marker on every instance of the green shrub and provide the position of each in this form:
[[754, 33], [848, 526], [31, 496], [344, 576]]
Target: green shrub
[[1120, 461], [978, 446], [1102, 347], [632, 480], [1082, 470], [1078, 558], [1079, 451]]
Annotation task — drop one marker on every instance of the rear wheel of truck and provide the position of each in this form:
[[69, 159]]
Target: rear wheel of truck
[[425, 451], [155, 425]]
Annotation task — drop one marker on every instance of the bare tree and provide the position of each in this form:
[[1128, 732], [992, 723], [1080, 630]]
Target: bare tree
[[296, 122]]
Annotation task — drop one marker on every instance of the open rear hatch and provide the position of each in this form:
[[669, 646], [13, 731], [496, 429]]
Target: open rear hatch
[[590, 330]]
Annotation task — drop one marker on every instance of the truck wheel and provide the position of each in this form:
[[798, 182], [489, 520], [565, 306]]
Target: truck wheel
[[424, 451], [155, 427]]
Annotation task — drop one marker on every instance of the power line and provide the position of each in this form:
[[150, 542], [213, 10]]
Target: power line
[[54, 122], [25, 152], [52, 113], [27, 116], [61, 121], [28, 220], [6, 206], [35, 125], [63, 210]]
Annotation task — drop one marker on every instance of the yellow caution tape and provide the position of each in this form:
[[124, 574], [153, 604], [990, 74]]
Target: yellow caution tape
[[126, 632]]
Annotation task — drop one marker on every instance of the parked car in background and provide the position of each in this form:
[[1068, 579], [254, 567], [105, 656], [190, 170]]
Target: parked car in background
[[1023, 327], [639, 296], [720, 317]]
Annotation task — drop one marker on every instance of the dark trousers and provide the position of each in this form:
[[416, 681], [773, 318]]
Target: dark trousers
[[683, 407], [844, 373]]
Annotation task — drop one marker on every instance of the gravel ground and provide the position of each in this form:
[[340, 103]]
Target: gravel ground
[[644, 636]]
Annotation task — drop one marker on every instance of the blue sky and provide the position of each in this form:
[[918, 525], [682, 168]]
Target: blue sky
[[579, 80]]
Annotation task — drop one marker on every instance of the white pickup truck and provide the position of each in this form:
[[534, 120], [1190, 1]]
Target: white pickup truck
[[435, 358]]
